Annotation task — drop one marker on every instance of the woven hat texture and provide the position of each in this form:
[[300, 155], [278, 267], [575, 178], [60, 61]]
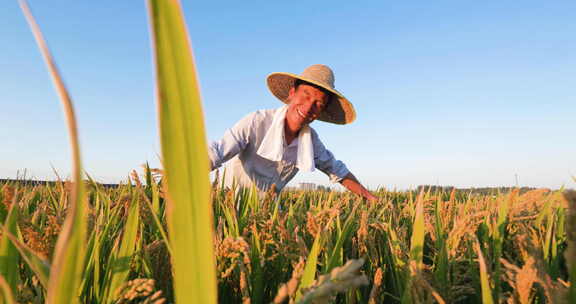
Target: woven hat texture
[[339, 110]]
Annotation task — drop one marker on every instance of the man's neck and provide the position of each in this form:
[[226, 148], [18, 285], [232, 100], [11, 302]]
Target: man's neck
[[290, 132]]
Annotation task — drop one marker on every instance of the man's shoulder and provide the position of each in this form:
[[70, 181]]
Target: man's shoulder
[[265, 113], [260, 115], [256, 120], [314, 134]]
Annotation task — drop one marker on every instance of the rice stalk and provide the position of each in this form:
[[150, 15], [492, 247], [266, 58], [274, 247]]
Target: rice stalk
[[6, 294], [288, 290], [67, 266], [311, 264], [377, 283], [416, 248], [570, 253], [8, 253], [124, 248], [484, 276], [37, 263], [184, 155]]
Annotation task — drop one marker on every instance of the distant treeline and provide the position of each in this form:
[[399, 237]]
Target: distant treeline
[[483, 190], [431, 188], [29, 182]]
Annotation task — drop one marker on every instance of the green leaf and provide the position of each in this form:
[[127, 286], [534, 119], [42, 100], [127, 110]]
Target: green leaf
[[67, 267], [416, 246], [441, 273], [37, 264], [570, 253], [336, 256], [6, 295], [484, 276], [417, 239], [310, 267], [119, 267], [158, 223], [184, 155], [8, 252]]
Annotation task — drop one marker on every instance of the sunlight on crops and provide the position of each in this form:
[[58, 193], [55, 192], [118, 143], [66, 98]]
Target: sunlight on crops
[[167, 235], [262, 245]]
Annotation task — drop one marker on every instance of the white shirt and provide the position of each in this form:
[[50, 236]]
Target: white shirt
[[240, 145]]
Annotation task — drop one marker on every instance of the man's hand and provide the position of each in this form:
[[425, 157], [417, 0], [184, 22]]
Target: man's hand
[[371, 198], [352, 184]]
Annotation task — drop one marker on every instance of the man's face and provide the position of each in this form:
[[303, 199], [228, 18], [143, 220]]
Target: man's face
[[306, 104]]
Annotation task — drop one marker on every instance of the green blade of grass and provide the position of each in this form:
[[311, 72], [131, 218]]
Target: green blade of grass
[[441, 261], [120, 266], [417, 239], [91, 254], [570, 253], [336, 257], [6, 295], [396, 261], [37, 264], [499, 236], [158, 223], [67, 270], [184, 155], [311, 264], [484, 276], [8, 252], [416, 246]]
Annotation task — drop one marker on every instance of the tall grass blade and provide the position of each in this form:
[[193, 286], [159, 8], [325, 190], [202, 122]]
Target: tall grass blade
[[417, 239], [184, 155], [336, 257], [441, 262], [498, 238], [311, 264], [484, 277], [8, 252], [37, 264], [67, 270], [570, 253], [120, 263], [6, 295], [416, 247], [158, 223]]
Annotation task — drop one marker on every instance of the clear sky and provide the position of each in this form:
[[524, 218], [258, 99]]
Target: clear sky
[[459, 93]]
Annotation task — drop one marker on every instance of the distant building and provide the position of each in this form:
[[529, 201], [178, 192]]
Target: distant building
[[307, 186]]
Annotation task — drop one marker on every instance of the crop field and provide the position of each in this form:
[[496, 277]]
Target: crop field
[[169, 235], [428, 247]]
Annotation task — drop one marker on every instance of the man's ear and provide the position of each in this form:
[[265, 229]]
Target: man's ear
[[291, 93]]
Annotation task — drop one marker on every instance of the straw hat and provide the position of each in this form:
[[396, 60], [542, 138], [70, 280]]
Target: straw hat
[[339, 110]]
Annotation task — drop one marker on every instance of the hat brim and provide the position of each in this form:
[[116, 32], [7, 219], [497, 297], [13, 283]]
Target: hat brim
[[338, 111]]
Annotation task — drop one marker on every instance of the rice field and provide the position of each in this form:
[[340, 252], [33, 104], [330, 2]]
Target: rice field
[[167, 235], [428, 247]]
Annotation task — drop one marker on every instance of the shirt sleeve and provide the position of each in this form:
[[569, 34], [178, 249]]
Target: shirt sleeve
[[233, 142], [326, 162]]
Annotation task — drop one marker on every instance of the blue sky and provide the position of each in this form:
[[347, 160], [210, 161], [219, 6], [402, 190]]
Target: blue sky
[[446, 92]]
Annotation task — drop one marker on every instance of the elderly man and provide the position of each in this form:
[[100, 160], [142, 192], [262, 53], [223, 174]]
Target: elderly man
[[269, 147]]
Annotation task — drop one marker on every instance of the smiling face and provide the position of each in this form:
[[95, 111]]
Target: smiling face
[[306, 104]]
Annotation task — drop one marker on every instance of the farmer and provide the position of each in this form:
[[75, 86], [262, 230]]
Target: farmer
[[268, 147]]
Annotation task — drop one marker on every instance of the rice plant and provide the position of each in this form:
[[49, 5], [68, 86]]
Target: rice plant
[[261, 257], [167, 235]]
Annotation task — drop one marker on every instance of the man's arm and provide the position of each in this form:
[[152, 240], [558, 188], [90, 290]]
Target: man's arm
[[352, 184], [336, 170]]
